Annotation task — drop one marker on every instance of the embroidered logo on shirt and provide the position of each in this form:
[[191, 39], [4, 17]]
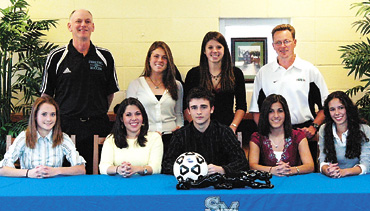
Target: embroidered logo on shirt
[[66, 71], [301, 79], [96, 65]]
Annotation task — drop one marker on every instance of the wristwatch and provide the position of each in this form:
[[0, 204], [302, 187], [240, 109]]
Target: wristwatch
[[316, 126], [145, 171]]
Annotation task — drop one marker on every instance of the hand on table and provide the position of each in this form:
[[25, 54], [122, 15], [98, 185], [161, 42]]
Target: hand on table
[[42, 172], [282, 169], [212, 169]]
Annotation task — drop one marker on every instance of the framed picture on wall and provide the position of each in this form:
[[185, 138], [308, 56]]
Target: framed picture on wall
[[249, 54]]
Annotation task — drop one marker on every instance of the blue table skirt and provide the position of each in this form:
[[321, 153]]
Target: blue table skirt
[[157, 192]]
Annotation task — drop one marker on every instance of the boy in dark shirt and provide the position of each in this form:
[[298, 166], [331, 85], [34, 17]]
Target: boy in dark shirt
[[214, 141]]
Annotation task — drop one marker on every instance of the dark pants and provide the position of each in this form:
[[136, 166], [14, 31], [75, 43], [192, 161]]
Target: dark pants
[[85, 129], [312, 143]]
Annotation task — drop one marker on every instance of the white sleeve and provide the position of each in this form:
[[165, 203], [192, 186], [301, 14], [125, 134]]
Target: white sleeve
[[257, 86], [132, 89], [15, 151], [70, 152], [156, 152], [178, 106], [107, 155], [365, 151], [321, 147]]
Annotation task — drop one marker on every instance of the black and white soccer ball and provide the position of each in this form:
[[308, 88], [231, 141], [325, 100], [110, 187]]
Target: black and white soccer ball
[[190, 165]]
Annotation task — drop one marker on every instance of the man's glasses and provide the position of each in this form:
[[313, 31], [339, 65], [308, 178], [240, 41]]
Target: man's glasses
[[280, 43]]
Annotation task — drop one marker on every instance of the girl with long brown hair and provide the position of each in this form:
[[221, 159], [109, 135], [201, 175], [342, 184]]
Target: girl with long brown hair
[[217, 74], [43, 146]]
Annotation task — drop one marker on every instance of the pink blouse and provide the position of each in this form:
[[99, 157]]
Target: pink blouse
[[290, 151]]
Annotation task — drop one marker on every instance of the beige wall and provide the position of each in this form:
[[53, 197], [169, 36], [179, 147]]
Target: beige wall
[[128, 27]]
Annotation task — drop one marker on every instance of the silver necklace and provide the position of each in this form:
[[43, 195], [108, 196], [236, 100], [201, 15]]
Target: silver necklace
[[155, 86], [275, 145]]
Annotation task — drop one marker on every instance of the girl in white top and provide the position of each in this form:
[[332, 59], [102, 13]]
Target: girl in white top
[[159, 92], [42, 147], [130, 148], [344, 141]]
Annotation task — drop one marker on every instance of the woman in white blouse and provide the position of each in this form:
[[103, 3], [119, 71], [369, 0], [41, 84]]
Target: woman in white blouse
[[159, 92], [344, 141], [130, 148], [42, 147]]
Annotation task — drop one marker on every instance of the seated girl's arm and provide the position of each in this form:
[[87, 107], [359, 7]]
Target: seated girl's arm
[[323, 165], [156, 154], [7, 167], [363, 166], [127, 170], [47, 171], [281, 169], [333, 170], [254, 157], [155, 150], [330, 169], [365, 151], [106, 165], [306, 158], [77, 162], [13, 172]]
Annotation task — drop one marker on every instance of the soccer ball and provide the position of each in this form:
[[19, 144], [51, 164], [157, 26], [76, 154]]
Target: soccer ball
[[189, 165]]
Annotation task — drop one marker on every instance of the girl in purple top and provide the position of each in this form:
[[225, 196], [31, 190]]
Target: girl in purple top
[[276, 147]]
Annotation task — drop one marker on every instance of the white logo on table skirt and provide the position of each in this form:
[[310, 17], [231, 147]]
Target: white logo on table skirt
[[214, 203]]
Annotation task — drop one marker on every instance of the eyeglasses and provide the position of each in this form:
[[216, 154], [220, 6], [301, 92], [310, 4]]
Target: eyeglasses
[[280, 43]]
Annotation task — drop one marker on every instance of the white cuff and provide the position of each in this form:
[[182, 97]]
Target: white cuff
[[323, 164], [363, 168]]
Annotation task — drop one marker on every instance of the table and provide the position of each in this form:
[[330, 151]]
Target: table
[[157, 192]]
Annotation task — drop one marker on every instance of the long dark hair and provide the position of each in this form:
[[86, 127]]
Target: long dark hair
[[31, 132], [355, 136], [227, 73], [264, 127], [119, 129], [169, 74]]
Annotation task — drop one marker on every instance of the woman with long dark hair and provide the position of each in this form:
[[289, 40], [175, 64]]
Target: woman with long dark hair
[[130, 148], [344, 141], [217, 74], [276, 147], [159, 92], [42, 147]]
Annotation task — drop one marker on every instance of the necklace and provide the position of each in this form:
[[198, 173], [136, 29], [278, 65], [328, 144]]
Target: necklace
[[215, 77], [275, 145], [155, 86]]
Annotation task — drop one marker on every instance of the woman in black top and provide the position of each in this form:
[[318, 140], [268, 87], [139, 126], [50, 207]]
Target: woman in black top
[[217, 74]]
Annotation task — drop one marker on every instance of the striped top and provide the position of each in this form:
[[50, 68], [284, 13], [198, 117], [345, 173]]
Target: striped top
[[42, 154]]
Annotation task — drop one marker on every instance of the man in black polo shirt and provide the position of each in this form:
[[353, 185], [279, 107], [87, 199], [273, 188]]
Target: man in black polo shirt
[[82, 79], [216, 142]]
